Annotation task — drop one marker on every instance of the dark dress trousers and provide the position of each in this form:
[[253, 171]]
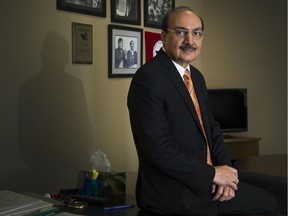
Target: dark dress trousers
[[173, 177]]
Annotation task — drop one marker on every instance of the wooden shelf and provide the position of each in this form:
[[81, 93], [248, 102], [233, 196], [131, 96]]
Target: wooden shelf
[[242, 147]]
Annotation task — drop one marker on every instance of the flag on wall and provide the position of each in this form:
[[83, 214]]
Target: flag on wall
[[153, 43]]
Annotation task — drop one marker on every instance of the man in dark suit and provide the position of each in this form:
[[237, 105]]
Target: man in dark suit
[[175, 175], [120, 54]]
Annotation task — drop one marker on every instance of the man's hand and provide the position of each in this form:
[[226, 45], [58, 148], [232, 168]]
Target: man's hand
[[222, 193], [226, 176]]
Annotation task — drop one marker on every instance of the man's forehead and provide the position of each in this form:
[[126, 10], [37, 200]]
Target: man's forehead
[[179, 17]]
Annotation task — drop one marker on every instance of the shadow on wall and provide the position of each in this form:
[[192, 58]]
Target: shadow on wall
[[55, 134]]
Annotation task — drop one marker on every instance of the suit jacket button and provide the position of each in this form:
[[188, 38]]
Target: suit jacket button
[[203, 149]]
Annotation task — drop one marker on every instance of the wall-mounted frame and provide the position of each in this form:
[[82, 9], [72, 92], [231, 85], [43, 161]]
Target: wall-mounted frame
[[155, 10], [82, 40], [94, 7], [126, 11], [125, 46], [153, 44]]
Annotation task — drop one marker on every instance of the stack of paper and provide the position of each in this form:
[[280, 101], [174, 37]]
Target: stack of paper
[[12, 203]]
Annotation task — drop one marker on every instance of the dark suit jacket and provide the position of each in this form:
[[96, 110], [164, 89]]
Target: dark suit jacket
[[173, 176]]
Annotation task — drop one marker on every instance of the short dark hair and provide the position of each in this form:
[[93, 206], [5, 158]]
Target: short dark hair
[[165, 21], [120, 40]]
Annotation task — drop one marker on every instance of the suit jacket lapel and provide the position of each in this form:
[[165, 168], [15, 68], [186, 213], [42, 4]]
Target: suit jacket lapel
[[180, 86], [202, 107]]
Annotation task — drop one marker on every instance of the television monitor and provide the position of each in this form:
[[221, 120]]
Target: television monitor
[[229, 107]]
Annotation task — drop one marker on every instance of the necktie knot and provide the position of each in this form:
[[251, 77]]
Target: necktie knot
[[188, 81]]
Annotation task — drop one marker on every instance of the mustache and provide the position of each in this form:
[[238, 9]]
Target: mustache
[[188, 47]]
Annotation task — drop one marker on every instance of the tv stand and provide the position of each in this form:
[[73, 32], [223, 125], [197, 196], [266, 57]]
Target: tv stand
[[226, 136], [241, 147]]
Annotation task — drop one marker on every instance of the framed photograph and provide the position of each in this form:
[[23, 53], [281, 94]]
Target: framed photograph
[[155, 10], [124, 50], [126, 11], [82, 52], [91, 7]]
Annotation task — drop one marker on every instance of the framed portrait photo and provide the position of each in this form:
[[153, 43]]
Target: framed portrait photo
[[155, 10], [90, 7], [126, 11], [124, 50]]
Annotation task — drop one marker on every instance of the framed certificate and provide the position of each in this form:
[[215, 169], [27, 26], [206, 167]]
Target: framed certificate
[[82, 52]]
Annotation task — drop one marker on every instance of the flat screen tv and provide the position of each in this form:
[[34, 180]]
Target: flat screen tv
[[229, 107]]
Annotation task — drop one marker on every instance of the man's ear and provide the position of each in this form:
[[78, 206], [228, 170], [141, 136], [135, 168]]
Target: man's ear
[[163, 37]]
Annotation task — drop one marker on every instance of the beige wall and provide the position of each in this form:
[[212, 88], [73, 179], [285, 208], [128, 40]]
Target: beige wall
[[83, 110], [246, 47]]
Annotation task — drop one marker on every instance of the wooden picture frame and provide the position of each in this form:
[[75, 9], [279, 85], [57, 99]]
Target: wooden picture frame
[[126, 11], [95, 8], [121, 41], [155, 10], [82, 41]]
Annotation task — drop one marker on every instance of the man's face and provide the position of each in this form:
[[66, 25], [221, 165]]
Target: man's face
[[121, 44], [154, 2], [182, 50], [132, 45], [165, 8]]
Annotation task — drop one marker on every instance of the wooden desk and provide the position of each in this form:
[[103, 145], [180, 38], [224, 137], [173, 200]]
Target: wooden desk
[[242, 147], [98, 211], [275, 165]]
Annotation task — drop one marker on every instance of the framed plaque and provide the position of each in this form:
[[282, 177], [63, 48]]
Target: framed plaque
[[82, 52]]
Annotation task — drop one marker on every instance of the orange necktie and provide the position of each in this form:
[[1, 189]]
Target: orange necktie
[[190, 87]]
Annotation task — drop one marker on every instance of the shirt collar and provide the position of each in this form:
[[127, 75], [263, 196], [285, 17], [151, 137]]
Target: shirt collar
[[180, 69]]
